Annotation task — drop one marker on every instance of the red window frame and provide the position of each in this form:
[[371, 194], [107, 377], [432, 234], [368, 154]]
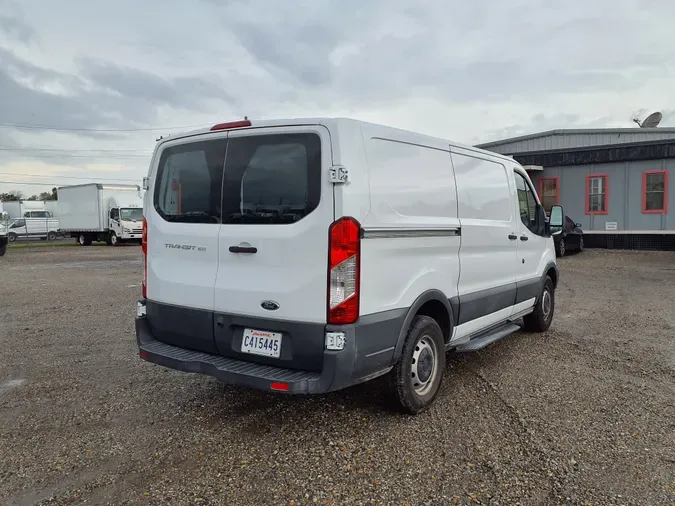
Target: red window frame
[[665, 192], [540, 188], [588, 191]]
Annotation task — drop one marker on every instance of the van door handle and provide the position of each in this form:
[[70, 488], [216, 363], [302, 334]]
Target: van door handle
[[513, 237], [524, 238], [243, 249]]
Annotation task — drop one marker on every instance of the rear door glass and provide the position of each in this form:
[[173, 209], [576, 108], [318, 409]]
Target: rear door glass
[[260, 179], [189, 180], [271, 179]]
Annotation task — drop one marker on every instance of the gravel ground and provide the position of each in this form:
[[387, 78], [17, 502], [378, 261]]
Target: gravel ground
[[583, 414]]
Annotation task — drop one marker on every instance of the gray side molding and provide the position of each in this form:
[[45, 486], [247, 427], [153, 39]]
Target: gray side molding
[[427, 296]]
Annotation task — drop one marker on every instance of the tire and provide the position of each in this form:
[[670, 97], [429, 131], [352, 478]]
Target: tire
[[561, 249], [51, 236], [12, 237], [423, 356], [84, 240], [3, 250], [140, 242], [540, 320], [114, 240]]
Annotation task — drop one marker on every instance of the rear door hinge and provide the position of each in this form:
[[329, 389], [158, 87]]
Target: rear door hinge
[[338, 174]]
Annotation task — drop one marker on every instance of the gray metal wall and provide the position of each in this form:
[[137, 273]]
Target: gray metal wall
[[571, 139], [625, 194]]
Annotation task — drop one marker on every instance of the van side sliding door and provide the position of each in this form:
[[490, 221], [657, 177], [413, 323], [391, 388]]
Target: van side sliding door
[[489, 250]]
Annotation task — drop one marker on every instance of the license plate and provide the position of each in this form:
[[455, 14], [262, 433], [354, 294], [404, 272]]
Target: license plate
[[261, 342]]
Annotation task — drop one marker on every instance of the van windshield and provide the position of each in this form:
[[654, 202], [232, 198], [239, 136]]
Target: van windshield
[[258, 179], [131, 214]]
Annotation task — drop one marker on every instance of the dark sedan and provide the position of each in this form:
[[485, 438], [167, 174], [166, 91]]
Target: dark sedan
[[569, 238]]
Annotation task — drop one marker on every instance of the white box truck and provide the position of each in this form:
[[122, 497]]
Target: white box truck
[[100, 212]]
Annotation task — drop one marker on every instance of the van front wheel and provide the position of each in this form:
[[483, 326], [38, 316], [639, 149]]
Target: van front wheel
[[416, 378], [540, 320]]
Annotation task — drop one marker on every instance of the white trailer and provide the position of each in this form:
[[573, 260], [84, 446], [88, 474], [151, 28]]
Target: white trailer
[[19, 208], [100, 212]]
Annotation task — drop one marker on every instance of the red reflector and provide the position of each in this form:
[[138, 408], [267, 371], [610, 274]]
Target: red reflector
[[283, 387], [144, 355], [231, 124]]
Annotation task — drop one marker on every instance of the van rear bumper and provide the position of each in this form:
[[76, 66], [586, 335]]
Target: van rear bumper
[[340, 369]]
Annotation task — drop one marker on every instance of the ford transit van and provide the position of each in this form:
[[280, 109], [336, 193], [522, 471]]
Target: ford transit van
[[304, 256]]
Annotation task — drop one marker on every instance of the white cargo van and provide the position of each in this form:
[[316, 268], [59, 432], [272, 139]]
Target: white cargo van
[[305, 256]]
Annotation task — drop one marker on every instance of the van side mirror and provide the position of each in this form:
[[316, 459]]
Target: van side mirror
[[556, 216]]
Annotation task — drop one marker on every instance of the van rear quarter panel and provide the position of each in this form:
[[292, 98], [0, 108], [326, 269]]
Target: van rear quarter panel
[[412, 187]]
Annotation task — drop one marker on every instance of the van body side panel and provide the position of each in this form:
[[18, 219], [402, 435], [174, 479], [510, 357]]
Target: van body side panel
[[411, 235], [488, 254]]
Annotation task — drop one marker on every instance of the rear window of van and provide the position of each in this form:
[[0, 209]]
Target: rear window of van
[[259, 179]]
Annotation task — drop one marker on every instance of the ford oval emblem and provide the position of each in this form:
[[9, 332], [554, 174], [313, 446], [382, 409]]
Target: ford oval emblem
[[269, 305]]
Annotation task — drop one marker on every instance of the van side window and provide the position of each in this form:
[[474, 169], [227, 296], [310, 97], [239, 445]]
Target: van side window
[[527, 204], [487, 197]]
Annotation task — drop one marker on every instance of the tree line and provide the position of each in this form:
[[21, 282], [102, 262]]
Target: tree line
[[15, 195]]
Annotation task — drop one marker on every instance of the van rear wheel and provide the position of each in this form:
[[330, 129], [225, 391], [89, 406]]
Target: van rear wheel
[[416, 378]]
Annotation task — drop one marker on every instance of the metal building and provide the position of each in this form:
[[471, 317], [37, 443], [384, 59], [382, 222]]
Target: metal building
[[614, 182]]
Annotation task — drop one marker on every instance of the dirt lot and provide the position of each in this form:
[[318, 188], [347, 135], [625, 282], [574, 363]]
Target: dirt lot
[[584, 414]]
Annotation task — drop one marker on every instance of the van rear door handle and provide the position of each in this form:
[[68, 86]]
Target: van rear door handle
[[513, 237], [243, 249], [523, 238]]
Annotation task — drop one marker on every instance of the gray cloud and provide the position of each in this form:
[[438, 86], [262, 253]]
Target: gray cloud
[[142, 85], [13, 24]]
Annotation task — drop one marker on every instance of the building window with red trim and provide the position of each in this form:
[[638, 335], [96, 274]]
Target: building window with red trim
[[549, 192], [597, 194], [655, 192]]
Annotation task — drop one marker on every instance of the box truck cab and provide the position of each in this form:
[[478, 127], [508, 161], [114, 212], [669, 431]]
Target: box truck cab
[[305, 256], [126, 219]]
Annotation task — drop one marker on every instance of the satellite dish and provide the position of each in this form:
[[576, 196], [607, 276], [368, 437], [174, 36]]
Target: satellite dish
[[651, 121]]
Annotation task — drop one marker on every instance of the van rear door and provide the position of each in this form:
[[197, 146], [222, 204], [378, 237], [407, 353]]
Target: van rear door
[[277, 207], [183, 220]]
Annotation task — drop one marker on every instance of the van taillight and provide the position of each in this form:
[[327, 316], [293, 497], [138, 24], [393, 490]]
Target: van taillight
[[344, 250], [144, 249]]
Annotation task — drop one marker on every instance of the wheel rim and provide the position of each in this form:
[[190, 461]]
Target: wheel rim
[[546, 303], [12, 238], [113, 239], [562, 247], [581, 244], [81, 239], [424, 367]]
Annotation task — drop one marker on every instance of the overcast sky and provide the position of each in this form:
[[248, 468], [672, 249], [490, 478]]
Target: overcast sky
[[469, 71]]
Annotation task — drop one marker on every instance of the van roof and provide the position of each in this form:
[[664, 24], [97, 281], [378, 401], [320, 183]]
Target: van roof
[[337, 122]]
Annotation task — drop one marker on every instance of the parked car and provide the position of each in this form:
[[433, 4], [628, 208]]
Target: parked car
[[306, 256], [569, 237]]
